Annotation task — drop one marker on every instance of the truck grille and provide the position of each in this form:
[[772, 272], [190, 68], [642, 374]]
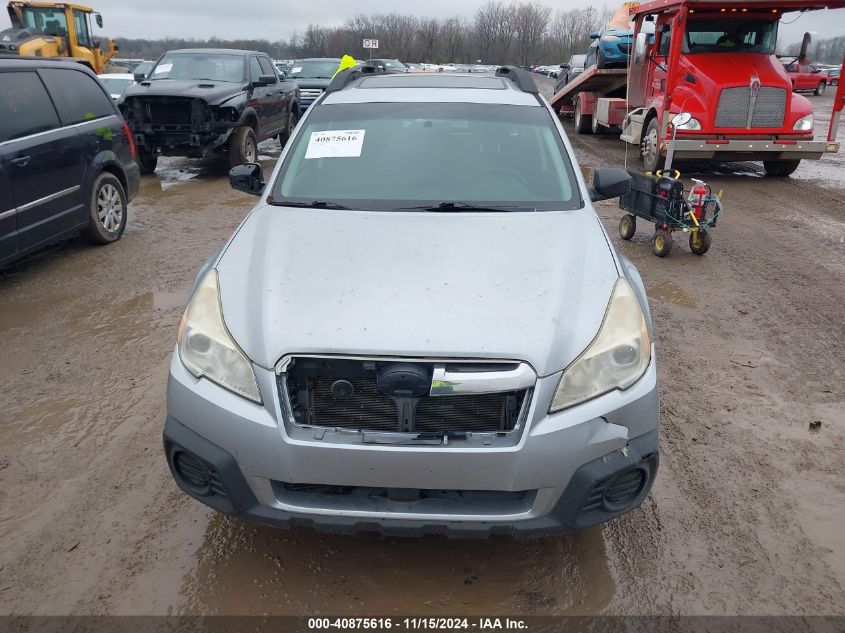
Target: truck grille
[[311, 388], [734, 105], [310, 93]]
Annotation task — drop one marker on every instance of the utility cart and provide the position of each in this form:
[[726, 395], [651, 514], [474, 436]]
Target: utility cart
[[660, 199]]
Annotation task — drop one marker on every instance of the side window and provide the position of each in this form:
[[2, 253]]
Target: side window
[[80, 23], [25, 106], [254, 69], [78, 96], [665, 43], [266, 67]]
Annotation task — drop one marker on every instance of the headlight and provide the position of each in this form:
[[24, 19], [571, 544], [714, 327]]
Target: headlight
[[610, 38], [804, 123], [207, 349], [617, 357]]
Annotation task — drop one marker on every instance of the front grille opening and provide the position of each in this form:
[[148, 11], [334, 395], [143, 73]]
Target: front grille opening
[[344, 394]]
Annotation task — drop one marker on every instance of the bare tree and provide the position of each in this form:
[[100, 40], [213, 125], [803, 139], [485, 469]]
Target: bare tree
[[524, 31], [428, 35], [530, 23]]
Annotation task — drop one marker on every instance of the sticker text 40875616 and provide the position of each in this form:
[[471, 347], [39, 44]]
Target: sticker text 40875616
[[335, 144]]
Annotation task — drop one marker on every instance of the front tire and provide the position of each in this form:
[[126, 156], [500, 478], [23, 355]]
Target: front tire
[[627, 226], [820, 89], [699, 241], [780, 168], [583, 122], [243, 147], [661, 243], [107, 210], [650, 147]]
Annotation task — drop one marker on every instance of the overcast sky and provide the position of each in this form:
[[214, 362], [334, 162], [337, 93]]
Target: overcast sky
[[277, 19]]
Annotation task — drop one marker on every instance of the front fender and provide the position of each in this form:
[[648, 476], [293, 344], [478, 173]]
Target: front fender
[[248, 117]]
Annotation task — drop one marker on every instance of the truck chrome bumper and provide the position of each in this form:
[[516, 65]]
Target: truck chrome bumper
[[738, 149]]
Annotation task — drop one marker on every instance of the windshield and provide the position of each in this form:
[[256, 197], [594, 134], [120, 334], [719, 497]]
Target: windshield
[[720, 35], [116, 86], [385, 156], [213, 67], [394, 63], [316, 69], [47, 21]]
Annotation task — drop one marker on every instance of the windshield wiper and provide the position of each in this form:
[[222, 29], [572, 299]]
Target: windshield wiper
[[316, 204], [465, 206]]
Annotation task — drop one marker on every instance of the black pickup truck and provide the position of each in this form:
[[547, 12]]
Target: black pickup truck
[[200, 101]]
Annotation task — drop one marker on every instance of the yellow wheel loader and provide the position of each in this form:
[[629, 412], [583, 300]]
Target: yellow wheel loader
[[56, 30]]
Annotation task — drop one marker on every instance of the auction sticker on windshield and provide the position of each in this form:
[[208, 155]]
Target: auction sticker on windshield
[[335, 144], [164, 68]]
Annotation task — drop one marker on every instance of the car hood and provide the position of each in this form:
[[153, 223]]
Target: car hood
[[743, 66], [515, 286], [212, 92]]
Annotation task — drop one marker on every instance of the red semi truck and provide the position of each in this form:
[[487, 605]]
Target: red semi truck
[[716, 61]]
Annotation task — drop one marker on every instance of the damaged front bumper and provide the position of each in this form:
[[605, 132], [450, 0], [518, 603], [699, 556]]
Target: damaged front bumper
[[565, 472], [180, 126]]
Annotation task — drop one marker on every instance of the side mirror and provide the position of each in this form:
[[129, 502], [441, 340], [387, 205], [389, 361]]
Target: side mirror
[[265, 80], [609, 182], [804, 53], [594, 35], [247, 178], [139, 77], [565, 66], [99, 20]]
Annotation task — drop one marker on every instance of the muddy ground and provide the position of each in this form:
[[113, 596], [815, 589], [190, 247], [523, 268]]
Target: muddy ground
[[746, 516]]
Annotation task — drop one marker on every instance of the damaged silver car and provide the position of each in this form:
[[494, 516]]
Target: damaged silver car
[[422, 326]]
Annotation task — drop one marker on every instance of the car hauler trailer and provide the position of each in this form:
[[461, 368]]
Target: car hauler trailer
[[715, 60]]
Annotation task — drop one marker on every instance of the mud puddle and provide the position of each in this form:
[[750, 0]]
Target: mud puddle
[[670, 292], [244, 569]]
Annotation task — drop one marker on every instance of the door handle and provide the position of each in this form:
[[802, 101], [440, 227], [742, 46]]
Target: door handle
[[21, 161]]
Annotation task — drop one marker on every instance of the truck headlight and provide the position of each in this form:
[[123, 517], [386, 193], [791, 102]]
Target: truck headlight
[[610, 38], [804, 123], [617, 357], [207, 349]]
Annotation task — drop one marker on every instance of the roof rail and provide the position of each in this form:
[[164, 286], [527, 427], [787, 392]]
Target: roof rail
[[522, 78], [346, 77]]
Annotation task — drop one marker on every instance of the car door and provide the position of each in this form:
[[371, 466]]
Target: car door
[[260, 99], [8, 221], [44, 161], [806, 80], [278, 96]]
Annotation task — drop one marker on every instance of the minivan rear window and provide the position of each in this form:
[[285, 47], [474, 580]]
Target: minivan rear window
[[78, 96], [25, 106]]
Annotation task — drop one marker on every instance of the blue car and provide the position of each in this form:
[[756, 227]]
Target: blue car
[[610, 47], [612, 44]]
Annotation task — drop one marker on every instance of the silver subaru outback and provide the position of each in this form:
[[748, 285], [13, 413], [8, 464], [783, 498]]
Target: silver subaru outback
[[422, 326]]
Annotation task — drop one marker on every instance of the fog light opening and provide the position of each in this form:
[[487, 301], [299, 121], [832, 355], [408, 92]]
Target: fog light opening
[[625, 488], [193, 472]]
